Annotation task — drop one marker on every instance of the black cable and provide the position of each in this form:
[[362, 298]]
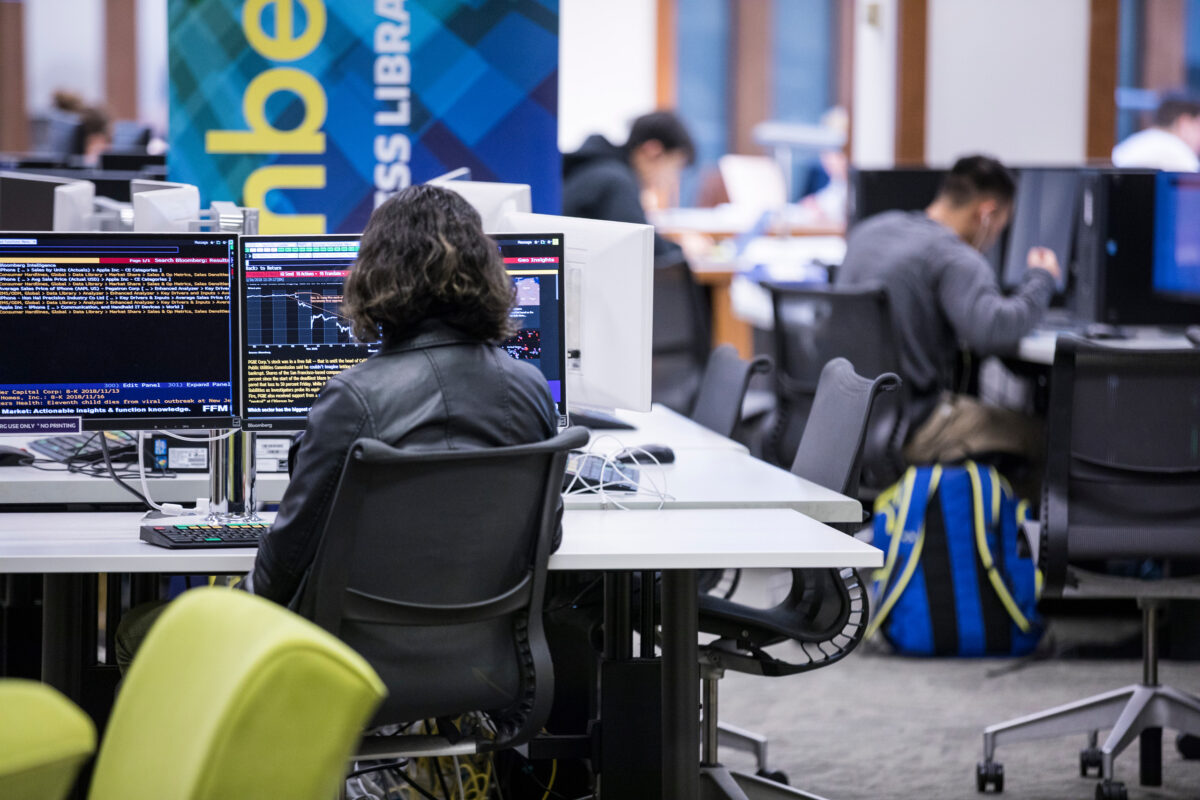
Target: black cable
[[529, 774], [113, 473], [437, 768], [575, 600], [396, 765]]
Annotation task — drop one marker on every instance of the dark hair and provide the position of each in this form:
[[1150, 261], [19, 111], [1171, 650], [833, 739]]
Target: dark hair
[[423, 256], [94, 119], [1175, 105], [665, 128], [973, 177]]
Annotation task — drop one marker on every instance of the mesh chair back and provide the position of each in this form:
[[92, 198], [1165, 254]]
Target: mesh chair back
[[826, 610], [1123, 461], [814, 325], [681, 337], [433, 567], [723, 389], [831, 448]]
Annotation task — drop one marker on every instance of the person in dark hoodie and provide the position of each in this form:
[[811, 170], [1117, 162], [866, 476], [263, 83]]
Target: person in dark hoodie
[[604, 181]]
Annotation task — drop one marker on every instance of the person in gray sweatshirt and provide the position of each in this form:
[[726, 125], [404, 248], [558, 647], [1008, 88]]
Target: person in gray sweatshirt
[[944, 294]]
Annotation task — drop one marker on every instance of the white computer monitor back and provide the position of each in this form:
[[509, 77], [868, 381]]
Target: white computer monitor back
[[73, 206], [609, 277], [492, 200], [166, 210]]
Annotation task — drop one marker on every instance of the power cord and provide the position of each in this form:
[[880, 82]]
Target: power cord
[[113, 474], [397, 768], [649, 480], [166, 509], [217, 438]]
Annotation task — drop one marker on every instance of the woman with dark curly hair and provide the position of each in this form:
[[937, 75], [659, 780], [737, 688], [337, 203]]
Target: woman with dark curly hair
[[432, 286]]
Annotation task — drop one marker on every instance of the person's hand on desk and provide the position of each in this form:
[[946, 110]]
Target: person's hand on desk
[[696, 246], [1043, 258]]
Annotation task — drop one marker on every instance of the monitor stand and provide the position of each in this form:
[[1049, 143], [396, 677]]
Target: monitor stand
[[231, 479], [231, 494], [599, 421]]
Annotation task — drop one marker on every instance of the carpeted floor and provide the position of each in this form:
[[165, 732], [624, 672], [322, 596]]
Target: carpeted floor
[[878, 726]]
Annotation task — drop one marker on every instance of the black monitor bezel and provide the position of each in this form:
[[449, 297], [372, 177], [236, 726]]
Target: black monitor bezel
[[140, 422]]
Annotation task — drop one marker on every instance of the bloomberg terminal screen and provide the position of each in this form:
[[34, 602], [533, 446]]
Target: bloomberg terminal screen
[[535, 263], [118, 330], [295, 337]]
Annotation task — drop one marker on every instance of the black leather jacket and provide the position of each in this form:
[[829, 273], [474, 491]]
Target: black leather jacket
[[439, 390]]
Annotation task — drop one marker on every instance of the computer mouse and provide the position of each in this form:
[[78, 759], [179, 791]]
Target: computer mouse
[[642, 454], [1100, 330], [14, 456]]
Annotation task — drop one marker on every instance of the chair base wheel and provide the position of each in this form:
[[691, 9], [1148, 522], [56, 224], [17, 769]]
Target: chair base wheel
[[775, 775], [1111, 790], [989, 773], [1089, 759]]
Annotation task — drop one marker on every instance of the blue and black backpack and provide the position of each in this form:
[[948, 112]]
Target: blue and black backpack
[[953, 583]]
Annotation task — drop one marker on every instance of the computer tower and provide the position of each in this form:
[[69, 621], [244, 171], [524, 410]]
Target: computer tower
[[1085, 286]]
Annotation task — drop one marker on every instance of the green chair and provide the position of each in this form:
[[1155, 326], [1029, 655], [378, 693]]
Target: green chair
[[44, 740], [232, 696]]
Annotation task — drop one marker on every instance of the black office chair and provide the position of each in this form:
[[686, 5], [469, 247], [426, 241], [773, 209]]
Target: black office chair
[[814, 325], [681, 338], [1122, 482], [723, 389], [433, 567], [825, 611]]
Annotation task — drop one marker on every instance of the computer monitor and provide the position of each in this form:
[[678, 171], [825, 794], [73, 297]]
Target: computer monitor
[[295, 337], [164, 206], [74, 206], [492, 200], [118, 331], [1120, 228], [609, 308], [873, 191], [45, 203], [131, 161], [535, 262], [1177, 237], [1045, 212]]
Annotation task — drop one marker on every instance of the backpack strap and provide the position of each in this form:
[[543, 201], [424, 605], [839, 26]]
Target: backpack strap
[[885, 504], [985, 552], [914, 557]]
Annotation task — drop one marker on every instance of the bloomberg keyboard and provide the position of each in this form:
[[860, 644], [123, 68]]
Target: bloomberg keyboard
[[84, 447], [192, 536]]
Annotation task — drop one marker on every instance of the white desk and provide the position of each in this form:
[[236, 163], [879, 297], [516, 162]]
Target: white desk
[[28, 485], [66, 545], [75, 543], [1038, 347], [709, 472], [716, 479], [664, 426]]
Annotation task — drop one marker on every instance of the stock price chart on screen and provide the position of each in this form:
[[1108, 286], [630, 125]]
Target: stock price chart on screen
[[296, 336]]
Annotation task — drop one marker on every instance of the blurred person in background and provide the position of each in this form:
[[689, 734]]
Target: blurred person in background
[[1171, 143]]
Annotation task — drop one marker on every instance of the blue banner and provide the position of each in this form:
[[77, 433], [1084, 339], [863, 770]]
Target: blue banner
[[316, 111]]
